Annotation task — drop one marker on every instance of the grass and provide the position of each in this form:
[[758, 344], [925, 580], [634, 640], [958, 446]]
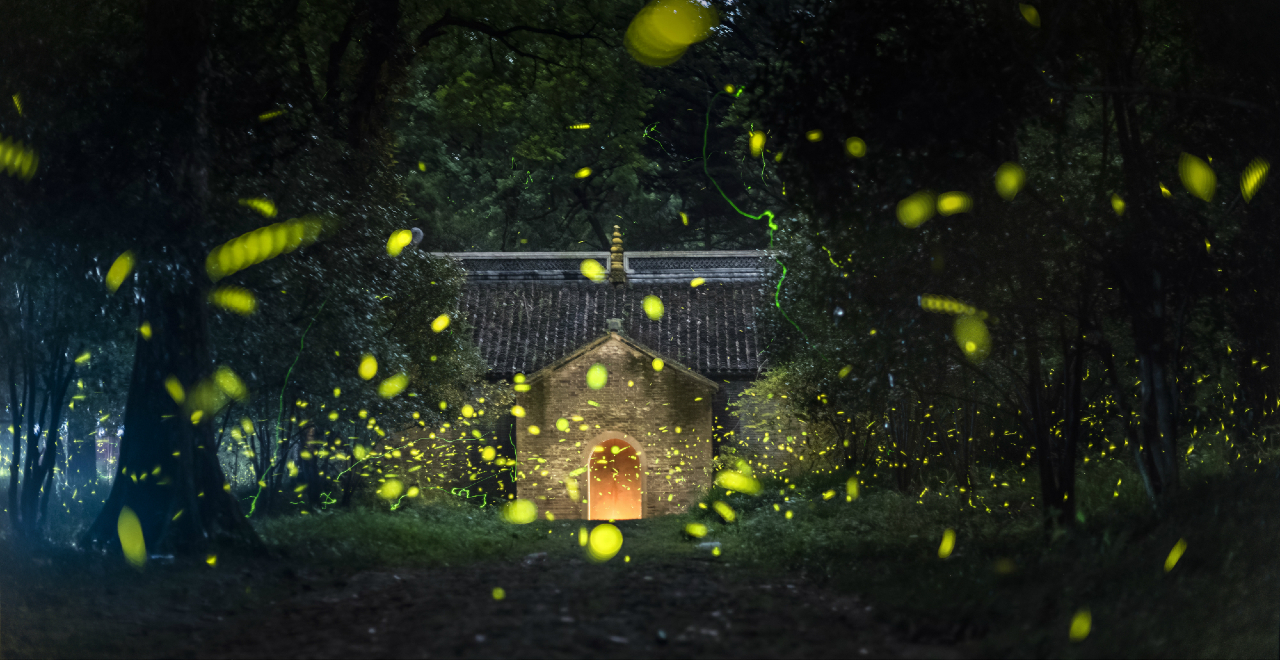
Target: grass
[[1010, 587]]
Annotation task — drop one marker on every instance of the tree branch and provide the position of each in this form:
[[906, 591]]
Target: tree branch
[[436, 29]]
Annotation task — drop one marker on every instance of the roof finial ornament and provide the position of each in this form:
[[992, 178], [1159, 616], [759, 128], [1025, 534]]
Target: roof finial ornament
[[617, 274]]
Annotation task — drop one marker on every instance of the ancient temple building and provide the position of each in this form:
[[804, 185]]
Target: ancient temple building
[[640, 441]]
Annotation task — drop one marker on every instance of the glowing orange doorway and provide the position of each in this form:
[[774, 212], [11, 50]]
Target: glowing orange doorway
[[615, 482]]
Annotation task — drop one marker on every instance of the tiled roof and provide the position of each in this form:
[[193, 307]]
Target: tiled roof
[[522, 325], [647, 267]]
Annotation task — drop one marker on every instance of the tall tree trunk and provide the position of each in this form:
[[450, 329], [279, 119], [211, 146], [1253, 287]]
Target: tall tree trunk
[[1055, 452], [38, 489], [1142, 282], [1157, 430], [16, 413], [82, 467], [168, 472]]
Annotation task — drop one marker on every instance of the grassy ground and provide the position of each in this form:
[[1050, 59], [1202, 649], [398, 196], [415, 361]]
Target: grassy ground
[[834, 579]]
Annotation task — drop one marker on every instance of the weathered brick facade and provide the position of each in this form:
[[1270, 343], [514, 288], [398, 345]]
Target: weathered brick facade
[[665, 416], [537, 313]]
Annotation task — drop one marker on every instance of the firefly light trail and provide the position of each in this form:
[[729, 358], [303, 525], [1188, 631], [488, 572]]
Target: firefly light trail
[[302, 344], [767, 214]]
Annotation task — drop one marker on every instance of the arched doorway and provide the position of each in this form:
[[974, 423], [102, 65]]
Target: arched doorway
[[614, 478]]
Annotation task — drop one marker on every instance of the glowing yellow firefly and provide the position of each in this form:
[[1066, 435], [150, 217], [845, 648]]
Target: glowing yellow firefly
[[368, 367], [1081, 623], [972, 336], [398, 241], [1030, 14], [17, 160], [856, 147], [440, 323], [582, 173], [662, 31], [579, 127], [517, 411], [134, 546], [145, 330], [260, 245], [264, 206], [1117, 204], [1175, 554], [684, 218], [268, 116], [519, 512], [948, 544], [756, 140], [392, 489], [1010, 178], [119, 270], [234, 299], [726, 512], [392, 386], [813, 136], [951, 203], [604, 542], [597, 376], [845, 371], [657, 364], [231, 385], [738, 482], [916, 209], [1197, 176], [697, 282], [945, 305], [17, 103], [1251, 180], [653, 307], [592, 270]]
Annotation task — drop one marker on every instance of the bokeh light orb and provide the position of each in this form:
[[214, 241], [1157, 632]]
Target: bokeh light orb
[[653, 307], [662, 31], [519, 512], [597, 376], [605, 542]]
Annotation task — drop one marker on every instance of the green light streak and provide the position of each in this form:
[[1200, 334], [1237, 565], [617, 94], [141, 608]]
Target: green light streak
[[353, 465], [646, 134], [302, 344], [767, 214]]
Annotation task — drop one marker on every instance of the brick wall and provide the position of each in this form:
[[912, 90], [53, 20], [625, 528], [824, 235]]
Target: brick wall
[[666, 416]]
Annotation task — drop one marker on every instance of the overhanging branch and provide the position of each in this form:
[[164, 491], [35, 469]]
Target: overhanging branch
[[437, 28]]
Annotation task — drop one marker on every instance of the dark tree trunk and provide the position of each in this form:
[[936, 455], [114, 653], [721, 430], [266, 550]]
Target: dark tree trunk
[[168, 472], [1055, 452], [1147, 294], [82, 464], [16, 414]]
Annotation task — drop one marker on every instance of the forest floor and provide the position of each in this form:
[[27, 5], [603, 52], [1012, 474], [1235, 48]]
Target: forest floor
[[847, 580]]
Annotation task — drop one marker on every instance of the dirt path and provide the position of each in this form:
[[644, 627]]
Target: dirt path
[[688, 607]]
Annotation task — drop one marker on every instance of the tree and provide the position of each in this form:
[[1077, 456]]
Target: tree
[[1056, 271]]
